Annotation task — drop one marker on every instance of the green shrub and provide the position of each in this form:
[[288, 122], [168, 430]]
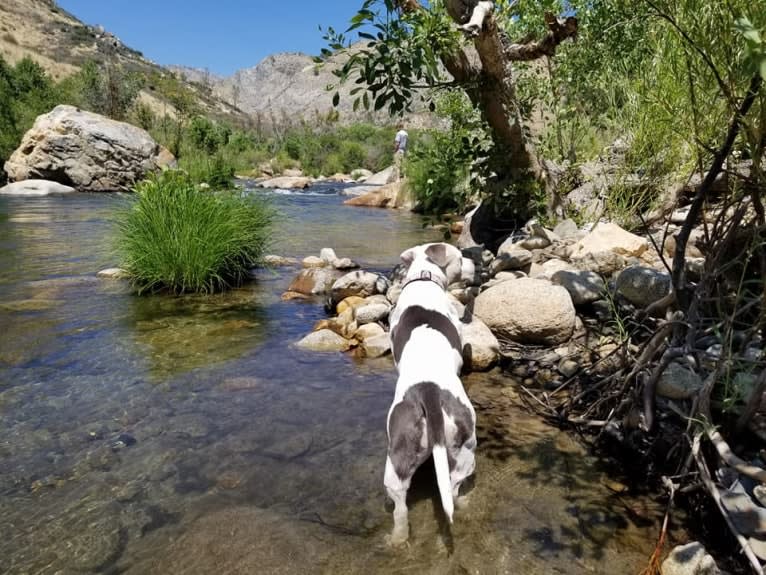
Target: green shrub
[[215, 170], [441, 163], [175, 237]]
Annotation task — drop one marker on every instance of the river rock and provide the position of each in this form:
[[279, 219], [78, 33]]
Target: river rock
[[510, 259], [609, 237], [86, 151], [358, 283], [690, 559], [527, 311], [642, 286], [313, 281], [368, 331], [481, 347], [328, 255], [324, 340], [584, 286], [286, 183], [350, 302], [278, 261], [313, 262], [678, 382], [377, 346], [391, 195], [566, 229], [548, 269], [372, 312], [113, 273], [35, 188], [344, 264]]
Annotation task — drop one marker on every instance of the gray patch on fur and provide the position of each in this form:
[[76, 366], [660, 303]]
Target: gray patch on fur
[[420, 411]]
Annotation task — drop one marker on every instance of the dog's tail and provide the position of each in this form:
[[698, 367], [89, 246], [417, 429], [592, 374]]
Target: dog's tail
[[435, 422]]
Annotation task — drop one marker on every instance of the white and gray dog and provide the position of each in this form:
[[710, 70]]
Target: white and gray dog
[[431, 413]]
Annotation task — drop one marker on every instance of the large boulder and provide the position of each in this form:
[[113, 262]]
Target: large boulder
[[86, 151], [527, 311]]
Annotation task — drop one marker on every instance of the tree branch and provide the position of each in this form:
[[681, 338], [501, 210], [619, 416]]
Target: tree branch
[[558, 30]]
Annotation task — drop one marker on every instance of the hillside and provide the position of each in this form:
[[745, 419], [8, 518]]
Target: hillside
[[61, 43]]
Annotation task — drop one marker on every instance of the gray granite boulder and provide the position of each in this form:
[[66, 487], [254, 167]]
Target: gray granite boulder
[[86, 151], [527, 311]]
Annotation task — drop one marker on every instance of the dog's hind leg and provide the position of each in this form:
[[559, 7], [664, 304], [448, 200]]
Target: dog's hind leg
[[397, 491]]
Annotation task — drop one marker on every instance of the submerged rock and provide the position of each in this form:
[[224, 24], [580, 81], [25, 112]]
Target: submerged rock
[[690, 559]]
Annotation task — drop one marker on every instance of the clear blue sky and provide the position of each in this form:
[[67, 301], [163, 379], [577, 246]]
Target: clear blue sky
[[221, 35]]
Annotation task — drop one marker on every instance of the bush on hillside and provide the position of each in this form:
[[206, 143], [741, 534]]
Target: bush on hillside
[[175, 237]]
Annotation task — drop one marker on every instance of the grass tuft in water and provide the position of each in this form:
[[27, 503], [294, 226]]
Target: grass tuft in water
[[175, 237]]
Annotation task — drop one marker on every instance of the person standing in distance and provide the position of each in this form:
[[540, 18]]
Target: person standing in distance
[[400, 149]]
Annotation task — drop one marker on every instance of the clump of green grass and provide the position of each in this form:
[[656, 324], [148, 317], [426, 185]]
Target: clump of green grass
[[175, 237]]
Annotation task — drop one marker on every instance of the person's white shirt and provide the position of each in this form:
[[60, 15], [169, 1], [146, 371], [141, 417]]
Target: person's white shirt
[[401, 141]]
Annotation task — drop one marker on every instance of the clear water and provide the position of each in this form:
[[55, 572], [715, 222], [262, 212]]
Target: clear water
[[186, 435]]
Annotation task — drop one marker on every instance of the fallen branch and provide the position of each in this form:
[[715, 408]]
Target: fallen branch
[[716, 495], [731, 459]]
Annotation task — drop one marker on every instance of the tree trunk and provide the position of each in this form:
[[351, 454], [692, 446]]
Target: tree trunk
[[519, 175]]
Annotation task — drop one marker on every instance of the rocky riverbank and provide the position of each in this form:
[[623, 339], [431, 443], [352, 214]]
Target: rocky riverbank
[[548, 308]]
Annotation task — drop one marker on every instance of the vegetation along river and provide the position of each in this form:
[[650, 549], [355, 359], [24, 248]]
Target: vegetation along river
[[185, 435]]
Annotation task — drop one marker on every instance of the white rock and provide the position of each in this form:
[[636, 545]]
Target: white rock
[[328, 255], [35, 188], [372, 312], [313, 262], [113, 273], [324, 340]]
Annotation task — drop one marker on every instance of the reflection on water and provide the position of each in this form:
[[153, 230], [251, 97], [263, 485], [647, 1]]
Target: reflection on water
[[186, 435]]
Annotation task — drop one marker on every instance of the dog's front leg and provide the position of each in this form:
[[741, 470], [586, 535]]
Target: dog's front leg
[[397, 491]]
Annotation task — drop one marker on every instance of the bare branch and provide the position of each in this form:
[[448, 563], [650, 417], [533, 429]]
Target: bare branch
[[558, 30]]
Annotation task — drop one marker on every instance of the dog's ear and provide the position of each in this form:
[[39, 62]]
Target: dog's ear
[[437, 253], [408, 256]]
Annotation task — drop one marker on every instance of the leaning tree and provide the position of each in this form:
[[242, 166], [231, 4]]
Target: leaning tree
[[408, 46]]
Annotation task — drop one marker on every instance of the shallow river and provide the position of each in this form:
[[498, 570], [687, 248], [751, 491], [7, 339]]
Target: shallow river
[[186, 435]]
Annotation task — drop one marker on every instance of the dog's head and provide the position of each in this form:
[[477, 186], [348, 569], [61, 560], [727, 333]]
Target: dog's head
[[444, 263]]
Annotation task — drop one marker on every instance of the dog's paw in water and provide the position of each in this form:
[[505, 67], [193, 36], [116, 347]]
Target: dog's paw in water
[[398, 538], [461, 502]]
